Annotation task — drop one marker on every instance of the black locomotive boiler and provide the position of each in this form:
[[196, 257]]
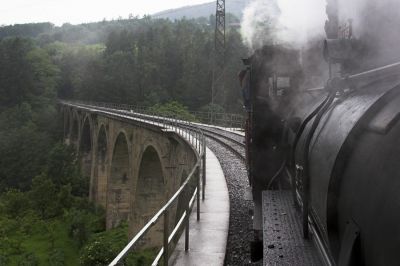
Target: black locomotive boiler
[[335, 149]]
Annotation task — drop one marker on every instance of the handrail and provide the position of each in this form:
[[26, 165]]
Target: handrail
[[214, 118], [196, 139]]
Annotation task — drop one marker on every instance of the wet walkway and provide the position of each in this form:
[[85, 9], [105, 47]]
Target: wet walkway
[[207, 237]]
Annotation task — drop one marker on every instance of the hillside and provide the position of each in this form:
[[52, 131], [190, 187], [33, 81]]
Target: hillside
[[97, 32], [234, 7]]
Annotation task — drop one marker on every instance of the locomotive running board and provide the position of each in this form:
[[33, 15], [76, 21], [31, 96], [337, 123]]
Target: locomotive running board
[[282, 232]]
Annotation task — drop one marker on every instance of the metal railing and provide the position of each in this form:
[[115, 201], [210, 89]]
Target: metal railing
[[191, 134], [220, 119], [210, 118]]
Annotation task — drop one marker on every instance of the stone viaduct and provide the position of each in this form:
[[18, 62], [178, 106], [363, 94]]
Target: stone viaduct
[[133, 167]]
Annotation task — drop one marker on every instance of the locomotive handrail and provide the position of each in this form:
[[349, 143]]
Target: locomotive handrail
[[196, 138], [376, 73]]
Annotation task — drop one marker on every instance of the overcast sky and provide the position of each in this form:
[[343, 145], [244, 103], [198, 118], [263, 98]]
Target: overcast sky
[[80, 11]]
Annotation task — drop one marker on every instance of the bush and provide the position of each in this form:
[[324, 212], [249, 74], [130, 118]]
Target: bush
[[212, 108], [65, 197], [29, 222], [4, 260], [104, 246], [7, 226], [82, 223], [96, 253], [15, 203], [56, 258], [78, 226], [173, 109], [63, 169], [28, 259], [10, 246], [44, 197]]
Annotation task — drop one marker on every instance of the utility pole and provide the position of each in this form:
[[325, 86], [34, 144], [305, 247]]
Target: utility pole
[[217, 86]]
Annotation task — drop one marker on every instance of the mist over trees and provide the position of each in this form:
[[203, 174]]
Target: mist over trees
[[139, 61], [150, 61]]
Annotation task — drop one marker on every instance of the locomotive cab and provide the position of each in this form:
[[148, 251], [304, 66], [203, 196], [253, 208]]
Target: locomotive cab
[[275, 74]]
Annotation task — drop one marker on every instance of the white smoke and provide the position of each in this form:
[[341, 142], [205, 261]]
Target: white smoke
[[376, 23], [354, 10], [295, 23], [259, 24], [287, 22]]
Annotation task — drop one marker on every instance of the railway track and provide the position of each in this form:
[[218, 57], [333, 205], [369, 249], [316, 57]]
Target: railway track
[[229, 140]]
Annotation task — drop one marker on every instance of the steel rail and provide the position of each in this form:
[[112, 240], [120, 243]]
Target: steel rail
[[217, 137], [211, 131], [226, 145]]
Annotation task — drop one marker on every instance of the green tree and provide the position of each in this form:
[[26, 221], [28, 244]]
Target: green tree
[[28, 82], [173, 109], [23, 147], [43, 196], [28, 259], [57, 258], [62, 167], [15, 203]]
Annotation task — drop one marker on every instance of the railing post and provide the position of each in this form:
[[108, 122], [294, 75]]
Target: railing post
[[204, 157], [166, 235], [198, 192], [196, 140], [187, 226]]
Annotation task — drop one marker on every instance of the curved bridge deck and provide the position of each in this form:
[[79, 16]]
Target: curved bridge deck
[[209, 235]]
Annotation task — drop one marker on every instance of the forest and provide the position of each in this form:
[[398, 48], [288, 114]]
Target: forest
[[45, 215]]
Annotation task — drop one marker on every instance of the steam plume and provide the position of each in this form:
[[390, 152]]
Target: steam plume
[[284, 22], [377, 26], [296, 22]]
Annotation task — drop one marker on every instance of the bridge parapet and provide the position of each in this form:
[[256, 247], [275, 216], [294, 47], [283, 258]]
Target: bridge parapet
[[230, 120], [138, 165]]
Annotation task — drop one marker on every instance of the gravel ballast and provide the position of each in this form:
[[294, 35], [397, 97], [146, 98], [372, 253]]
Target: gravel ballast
[[240, 224]]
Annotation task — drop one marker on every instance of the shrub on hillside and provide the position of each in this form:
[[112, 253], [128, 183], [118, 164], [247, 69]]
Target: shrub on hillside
[[173, 109]]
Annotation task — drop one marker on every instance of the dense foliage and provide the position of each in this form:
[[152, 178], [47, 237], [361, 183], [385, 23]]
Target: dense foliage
[[45, 216], [140, 61]]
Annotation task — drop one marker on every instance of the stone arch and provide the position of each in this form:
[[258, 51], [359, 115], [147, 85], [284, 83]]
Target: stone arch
[[99, 184], [149, 196], [118, 192], [74, 136], [86, 147]]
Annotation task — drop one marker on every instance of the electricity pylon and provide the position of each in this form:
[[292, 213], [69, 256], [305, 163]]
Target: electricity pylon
[[217, 87]]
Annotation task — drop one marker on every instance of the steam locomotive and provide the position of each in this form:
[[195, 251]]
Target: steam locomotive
[[335, 149]]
